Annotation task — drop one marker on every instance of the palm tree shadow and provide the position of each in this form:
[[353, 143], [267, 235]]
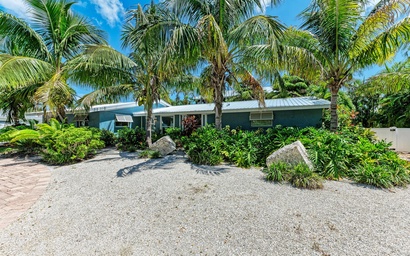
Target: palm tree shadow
[[209, 170], [165, 163], [168, 163]]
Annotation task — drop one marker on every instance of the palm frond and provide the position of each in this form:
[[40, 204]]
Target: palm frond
[[19, 32], [20, 71]]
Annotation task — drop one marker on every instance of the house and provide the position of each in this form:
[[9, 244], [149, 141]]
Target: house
[[298, 112], [112, 117]]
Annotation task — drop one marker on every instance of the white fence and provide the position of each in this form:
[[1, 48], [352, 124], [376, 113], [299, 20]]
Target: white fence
[[399, 137]]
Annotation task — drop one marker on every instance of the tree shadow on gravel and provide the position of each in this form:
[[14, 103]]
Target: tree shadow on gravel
[[168, 163], [165, 163], [209, 170]]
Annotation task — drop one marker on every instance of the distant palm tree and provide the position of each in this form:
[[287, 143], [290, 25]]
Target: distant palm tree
[[213, 35], [341, 38], [392, 79], [46, 44], [144, 75]]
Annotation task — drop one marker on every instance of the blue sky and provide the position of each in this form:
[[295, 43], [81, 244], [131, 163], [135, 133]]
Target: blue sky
[[109, 16]]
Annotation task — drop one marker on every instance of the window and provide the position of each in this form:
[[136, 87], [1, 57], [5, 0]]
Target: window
[[123, 120], [122, 124], [261, 119], [80, 120]]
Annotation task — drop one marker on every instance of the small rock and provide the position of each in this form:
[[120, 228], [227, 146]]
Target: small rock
[[164, 146], [293, 154]]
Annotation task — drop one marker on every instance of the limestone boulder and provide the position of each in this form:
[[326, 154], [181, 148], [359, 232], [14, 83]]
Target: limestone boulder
[[293, 154], [164, 146]]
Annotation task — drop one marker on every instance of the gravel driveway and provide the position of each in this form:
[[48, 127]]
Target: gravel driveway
[[117, 204]]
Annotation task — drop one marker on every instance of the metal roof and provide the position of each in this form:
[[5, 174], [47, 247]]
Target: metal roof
[[299, 103], [121, 105]]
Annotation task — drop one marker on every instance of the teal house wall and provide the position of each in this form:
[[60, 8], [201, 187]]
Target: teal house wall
[[106, 119]]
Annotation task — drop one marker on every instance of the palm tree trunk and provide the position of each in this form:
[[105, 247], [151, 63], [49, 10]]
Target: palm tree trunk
[[218, 82], [148, 127], [61, 114], [334, 89], [15, 117]]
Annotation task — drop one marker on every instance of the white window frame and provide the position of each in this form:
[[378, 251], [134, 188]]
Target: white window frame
[[265, 116]]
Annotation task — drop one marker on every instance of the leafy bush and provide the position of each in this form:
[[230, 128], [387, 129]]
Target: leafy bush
[[108, 137], [150, 154], [278, 172], [303, 177], [131, 139], [350, 153], [189, 125], [70, 145], [204, 146]]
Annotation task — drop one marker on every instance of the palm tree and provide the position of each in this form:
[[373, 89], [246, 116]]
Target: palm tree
[[341, 38], [144, 75], [392, 79], [46, 44], [214, 35]]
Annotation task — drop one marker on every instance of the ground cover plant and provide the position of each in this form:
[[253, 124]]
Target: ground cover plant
[[351, 153]]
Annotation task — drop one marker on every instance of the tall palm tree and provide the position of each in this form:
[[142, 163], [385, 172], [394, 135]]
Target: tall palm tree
[[47, 43], [144, 74], [342, 38], [214, 34]]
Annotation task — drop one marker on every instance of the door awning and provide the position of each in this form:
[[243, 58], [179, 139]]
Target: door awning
[[123, 118]]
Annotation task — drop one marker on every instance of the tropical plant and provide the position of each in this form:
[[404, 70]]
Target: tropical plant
[[36, 55], [214, 34], [303, 177], [342, 37], [144, 75]]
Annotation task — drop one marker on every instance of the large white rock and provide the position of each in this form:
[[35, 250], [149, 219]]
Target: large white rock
[[165, 146], [293, 154]]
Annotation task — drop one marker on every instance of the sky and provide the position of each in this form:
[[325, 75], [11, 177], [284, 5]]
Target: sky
[[109, 16]]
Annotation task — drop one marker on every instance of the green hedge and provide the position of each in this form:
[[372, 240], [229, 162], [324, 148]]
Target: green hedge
[[351, 153]]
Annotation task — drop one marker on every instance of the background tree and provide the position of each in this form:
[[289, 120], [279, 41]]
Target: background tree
[[46, 44], [214, 34], [342, 38], [145, 74]]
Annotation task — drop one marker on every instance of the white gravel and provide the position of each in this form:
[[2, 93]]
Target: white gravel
[[117, 204]]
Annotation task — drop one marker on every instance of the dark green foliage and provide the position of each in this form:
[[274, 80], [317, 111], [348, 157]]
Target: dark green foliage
[[345, 154], [71, 145], [150, 154], [303, 177], [204, 146], [131, 139], [108, 137], [175, 134]]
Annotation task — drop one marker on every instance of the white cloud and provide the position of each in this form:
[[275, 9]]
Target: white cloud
[[15, 7], [81, 4], [110, 10]]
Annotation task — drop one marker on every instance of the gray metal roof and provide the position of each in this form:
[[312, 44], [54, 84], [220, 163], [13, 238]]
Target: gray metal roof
[[252, 105]]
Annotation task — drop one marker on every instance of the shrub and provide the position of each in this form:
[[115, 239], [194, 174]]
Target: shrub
[[150, 154], [71, 145], [131, 139], [278, 172], [108, 137], [303, 177], [189, 125]]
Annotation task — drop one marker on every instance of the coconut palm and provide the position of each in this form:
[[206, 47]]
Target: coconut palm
[[145, 74], [213, 34], [46, 44], [342, 38]]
